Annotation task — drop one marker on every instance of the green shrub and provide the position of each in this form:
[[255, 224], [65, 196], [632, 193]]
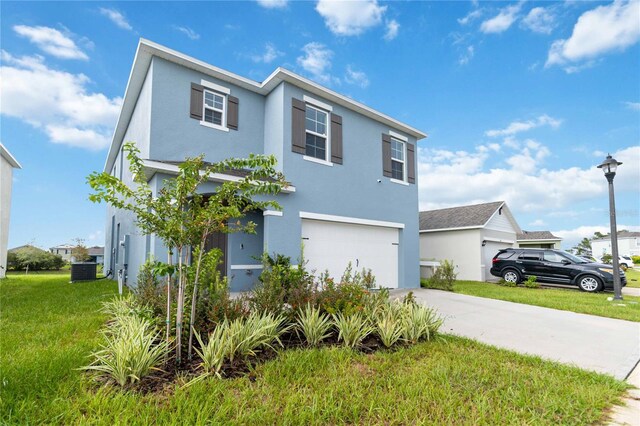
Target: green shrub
[[314, 325], [419, 322], [389, 325], [532, 282], [607, 258], [215, 351], [131, 350], [150, 291], [352, 329], [443, 277], [636, 260], [33, 259], [504, 283]]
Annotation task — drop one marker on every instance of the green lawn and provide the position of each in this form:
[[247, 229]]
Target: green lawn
[[47, 328], [633, 277], [556, 298]]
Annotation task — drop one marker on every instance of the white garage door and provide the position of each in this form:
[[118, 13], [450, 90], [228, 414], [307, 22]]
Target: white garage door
[[332, 245]]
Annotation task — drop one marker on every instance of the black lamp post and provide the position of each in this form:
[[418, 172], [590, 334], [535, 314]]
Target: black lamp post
[[609, 167]]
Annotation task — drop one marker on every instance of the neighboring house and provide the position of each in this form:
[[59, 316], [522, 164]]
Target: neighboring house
[[353, 195], [96, 254], [628, 244], [7, 164], [64, 250], [469, 236], [538, 239]]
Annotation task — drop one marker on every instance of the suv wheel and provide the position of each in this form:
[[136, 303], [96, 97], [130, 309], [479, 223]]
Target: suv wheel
[[590, 284], [511, 276]]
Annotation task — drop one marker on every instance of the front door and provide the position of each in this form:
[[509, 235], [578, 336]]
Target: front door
[[218, 240]]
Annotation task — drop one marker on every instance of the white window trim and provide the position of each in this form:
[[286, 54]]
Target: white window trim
[[327, 138], [401, 182], [405, 178], [353, 220], [398, 136], [317, 103], [318, 160], [223, 119], [215, 87], [272, 213]]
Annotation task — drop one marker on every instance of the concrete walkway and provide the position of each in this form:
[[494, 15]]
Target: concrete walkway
[[600, 344]]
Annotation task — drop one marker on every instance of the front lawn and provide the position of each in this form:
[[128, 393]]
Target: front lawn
[[633, 278], [48, 327], [556, 298]]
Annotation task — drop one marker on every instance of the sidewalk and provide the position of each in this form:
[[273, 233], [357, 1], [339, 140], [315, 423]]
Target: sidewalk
[[629, 413]]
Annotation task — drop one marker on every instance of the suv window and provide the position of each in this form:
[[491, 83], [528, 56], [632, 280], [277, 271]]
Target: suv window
[[552, 256], [529, 255], [505, 255]]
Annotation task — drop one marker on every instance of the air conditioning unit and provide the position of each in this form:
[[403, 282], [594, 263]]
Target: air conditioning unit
[[83, 271]]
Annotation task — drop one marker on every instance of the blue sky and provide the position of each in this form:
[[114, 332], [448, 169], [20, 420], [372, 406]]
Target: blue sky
[[521, 100]]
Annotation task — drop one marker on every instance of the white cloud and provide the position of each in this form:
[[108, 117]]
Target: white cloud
[[116, 17], [537, 222], [635, 106], [316, 61], [466, 55], [357, 78], [392, 30], [523, 126], [348, 18], [539, 20], [51, 41], [269, 55], [187, 31], [57, 102], [502, 21], [613, 27], [471, 16], [450, 178], [273, 4]]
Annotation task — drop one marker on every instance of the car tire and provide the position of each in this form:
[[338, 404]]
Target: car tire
[[511, 276], [590, 283]]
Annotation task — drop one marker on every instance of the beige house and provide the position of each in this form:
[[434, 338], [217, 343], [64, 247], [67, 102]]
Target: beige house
[[7, 164], [471, 236]]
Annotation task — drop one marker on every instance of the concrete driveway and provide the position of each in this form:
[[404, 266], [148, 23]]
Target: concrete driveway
[[600, 344]]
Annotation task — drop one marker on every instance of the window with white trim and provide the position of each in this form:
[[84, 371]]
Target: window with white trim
[[316, 126], [397, 159], [213, 107]]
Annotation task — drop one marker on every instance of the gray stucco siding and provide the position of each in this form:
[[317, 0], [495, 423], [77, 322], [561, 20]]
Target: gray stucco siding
[[176, 135]]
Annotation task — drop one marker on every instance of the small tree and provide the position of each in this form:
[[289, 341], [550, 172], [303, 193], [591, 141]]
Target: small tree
[[182, 217], [80, 252]]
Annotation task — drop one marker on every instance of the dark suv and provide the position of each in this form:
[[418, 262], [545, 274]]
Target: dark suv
[[553, 266]]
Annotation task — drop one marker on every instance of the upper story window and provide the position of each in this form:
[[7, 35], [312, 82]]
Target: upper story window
[[214, 110], [397, 159], [316, 133]]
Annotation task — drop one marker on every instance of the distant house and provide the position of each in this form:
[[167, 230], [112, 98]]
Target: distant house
[[538, 239], [628, 244], [470, 236], [7, 164], [63, 250], [97, 254]]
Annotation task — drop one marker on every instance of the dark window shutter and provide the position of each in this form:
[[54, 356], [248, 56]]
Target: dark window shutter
[[336, 139], [232, 112], [298, 134], [386, 155], [411, 162], [196, 101]]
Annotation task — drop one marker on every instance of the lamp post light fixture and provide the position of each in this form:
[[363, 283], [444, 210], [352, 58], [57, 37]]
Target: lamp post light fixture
[[609, 167]]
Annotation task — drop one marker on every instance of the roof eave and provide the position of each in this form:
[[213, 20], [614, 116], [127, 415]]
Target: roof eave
[[4, 152]]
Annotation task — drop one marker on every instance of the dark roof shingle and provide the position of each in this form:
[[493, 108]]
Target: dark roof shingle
[[537, 235], [458, 217]]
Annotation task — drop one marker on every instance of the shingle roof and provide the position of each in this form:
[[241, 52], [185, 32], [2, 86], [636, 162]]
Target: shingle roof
[[458, 217], [96, 251], [537, 235]]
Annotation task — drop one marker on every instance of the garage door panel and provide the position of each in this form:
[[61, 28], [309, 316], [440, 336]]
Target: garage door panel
[[331, 246]]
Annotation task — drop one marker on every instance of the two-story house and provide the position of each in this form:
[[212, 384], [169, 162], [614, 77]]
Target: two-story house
[[353, 195]]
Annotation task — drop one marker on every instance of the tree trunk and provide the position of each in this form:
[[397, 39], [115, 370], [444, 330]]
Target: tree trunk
[[194, 299], [179, 314]]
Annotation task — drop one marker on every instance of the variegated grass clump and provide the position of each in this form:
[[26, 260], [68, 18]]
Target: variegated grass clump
[[389, 324], [131, 350], [419, 322], [314, 325], [352, 329]]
